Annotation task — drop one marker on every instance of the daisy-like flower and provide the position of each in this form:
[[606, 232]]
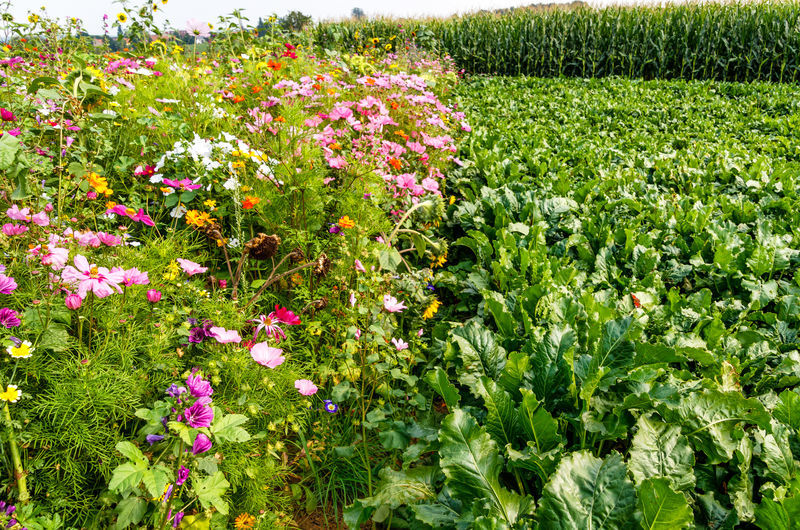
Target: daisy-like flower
[[197, 28], [122, 18], [391, 304], [330, 406], [266, 355], [400, 344], [21, 350], [190, 267], [269, 324], [7, 284], [12, 394], [9, 318], [305, 387], [89, 277]]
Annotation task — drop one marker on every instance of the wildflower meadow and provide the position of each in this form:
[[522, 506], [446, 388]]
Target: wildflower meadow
[[285, 274]]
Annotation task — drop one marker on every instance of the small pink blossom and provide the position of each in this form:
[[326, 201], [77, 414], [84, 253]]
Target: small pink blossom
[[359, 266], [14, 230], [190, 267], [400, 344], [305, 387], [225, 336], [266, 355], [352, 299], [108, 239], [134, 276], [391, 304]]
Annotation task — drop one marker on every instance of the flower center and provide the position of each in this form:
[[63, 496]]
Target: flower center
[[93, 271]]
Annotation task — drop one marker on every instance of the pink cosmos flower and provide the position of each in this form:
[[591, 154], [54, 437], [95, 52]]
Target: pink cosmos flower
[[141, 217], [391, 304], [305, 387], [285, 316], [268, 323], [134, 276], [197, 28], [89, 277], [266, 355], [108, 239], [40, 219], [7, 284], [19, 215], [53, 257], [14, 230], [400, 344], [359, 266], [225, 336], [181, 185], [190, 267]]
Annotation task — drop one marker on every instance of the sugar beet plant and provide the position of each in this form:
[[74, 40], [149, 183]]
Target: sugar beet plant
[[626, 270]]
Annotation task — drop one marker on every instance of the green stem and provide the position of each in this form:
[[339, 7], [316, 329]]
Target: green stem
[[19, 472]]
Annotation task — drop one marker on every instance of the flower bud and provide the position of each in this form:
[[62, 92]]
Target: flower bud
[[153, 296], [73, 301]]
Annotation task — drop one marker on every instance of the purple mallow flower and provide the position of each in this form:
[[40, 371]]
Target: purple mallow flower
[[175, 390], [183, 474], [198, 386], [9, 318], [199, 415], [202, 443]]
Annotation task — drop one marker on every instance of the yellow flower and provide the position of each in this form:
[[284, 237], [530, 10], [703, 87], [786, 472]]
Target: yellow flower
[[164, 2], [197, 218], [210, 203], [375, 40], [346, 222], [12, 394], [439, 261], [244, 521], [33, 19], [122, 17], [431, 310], [23, 351], [100, 184], [173, 269], [452, 199]]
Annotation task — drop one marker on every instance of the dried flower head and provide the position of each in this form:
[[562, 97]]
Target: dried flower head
[[322, 266], [263, 247]]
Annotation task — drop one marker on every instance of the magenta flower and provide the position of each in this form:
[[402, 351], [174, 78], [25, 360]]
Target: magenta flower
[[202, 443], [359, 266], [134, 276], [181, 185], [14, 230], [190, 267], [99, 280], [270, 325], [267, 356], [9, 318], [6, 115], [391, 304], [198, 386], [53, 257], [305, 387], [108, 239], [153, 296], [400, 344], [7, 284], [40, 219], [281, 314], [225, 336], [199, 415], [19, 215], [197, 28], [73, 301], [141, 217], [183, 474]]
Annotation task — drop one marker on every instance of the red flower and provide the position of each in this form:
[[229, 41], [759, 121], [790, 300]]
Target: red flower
[[636, 301]]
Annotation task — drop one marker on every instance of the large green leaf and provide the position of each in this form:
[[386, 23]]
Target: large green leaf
[[480, 354], [660, 450], [712, 420], [588, 493], [502, 421], [438, 380], [539, 426], [210, 490], [550, 375], [472, 464], [395, 489], [661, 507], [788, 409]]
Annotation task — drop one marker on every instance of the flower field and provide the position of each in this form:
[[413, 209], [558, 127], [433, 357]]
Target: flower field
[[251, 282]]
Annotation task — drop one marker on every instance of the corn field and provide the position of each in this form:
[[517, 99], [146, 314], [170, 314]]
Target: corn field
[[726, 42]]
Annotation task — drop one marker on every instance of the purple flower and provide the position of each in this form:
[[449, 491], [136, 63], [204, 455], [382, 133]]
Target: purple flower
[[330, 406], [177, 520], [7, 284], [11, 509], [201, 444], [198, 386], [175, 390], [11, 522], [9, 318], [196, 335], [183, 474], [153, 438], [168, 493], [335, 229], [199, 415]]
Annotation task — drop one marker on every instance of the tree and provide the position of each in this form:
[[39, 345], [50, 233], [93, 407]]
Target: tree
[[357, 13], [294, 21]]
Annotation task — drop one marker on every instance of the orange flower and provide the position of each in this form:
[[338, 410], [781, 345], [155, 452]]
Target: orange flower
[[273, 65], [370, 81], [281, 119], [346, 222], [395, 163], [394, 104], [245, 521], [316, 86], [249, 202], [238, 99], [256, 89]]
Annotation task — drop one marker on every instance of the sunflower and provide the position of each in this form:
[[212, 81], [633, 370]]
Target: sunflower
[[122, 18]]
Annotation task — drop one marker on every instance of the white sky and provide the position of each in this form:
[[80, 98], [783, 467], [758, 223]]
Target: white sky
[[178, 11]]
